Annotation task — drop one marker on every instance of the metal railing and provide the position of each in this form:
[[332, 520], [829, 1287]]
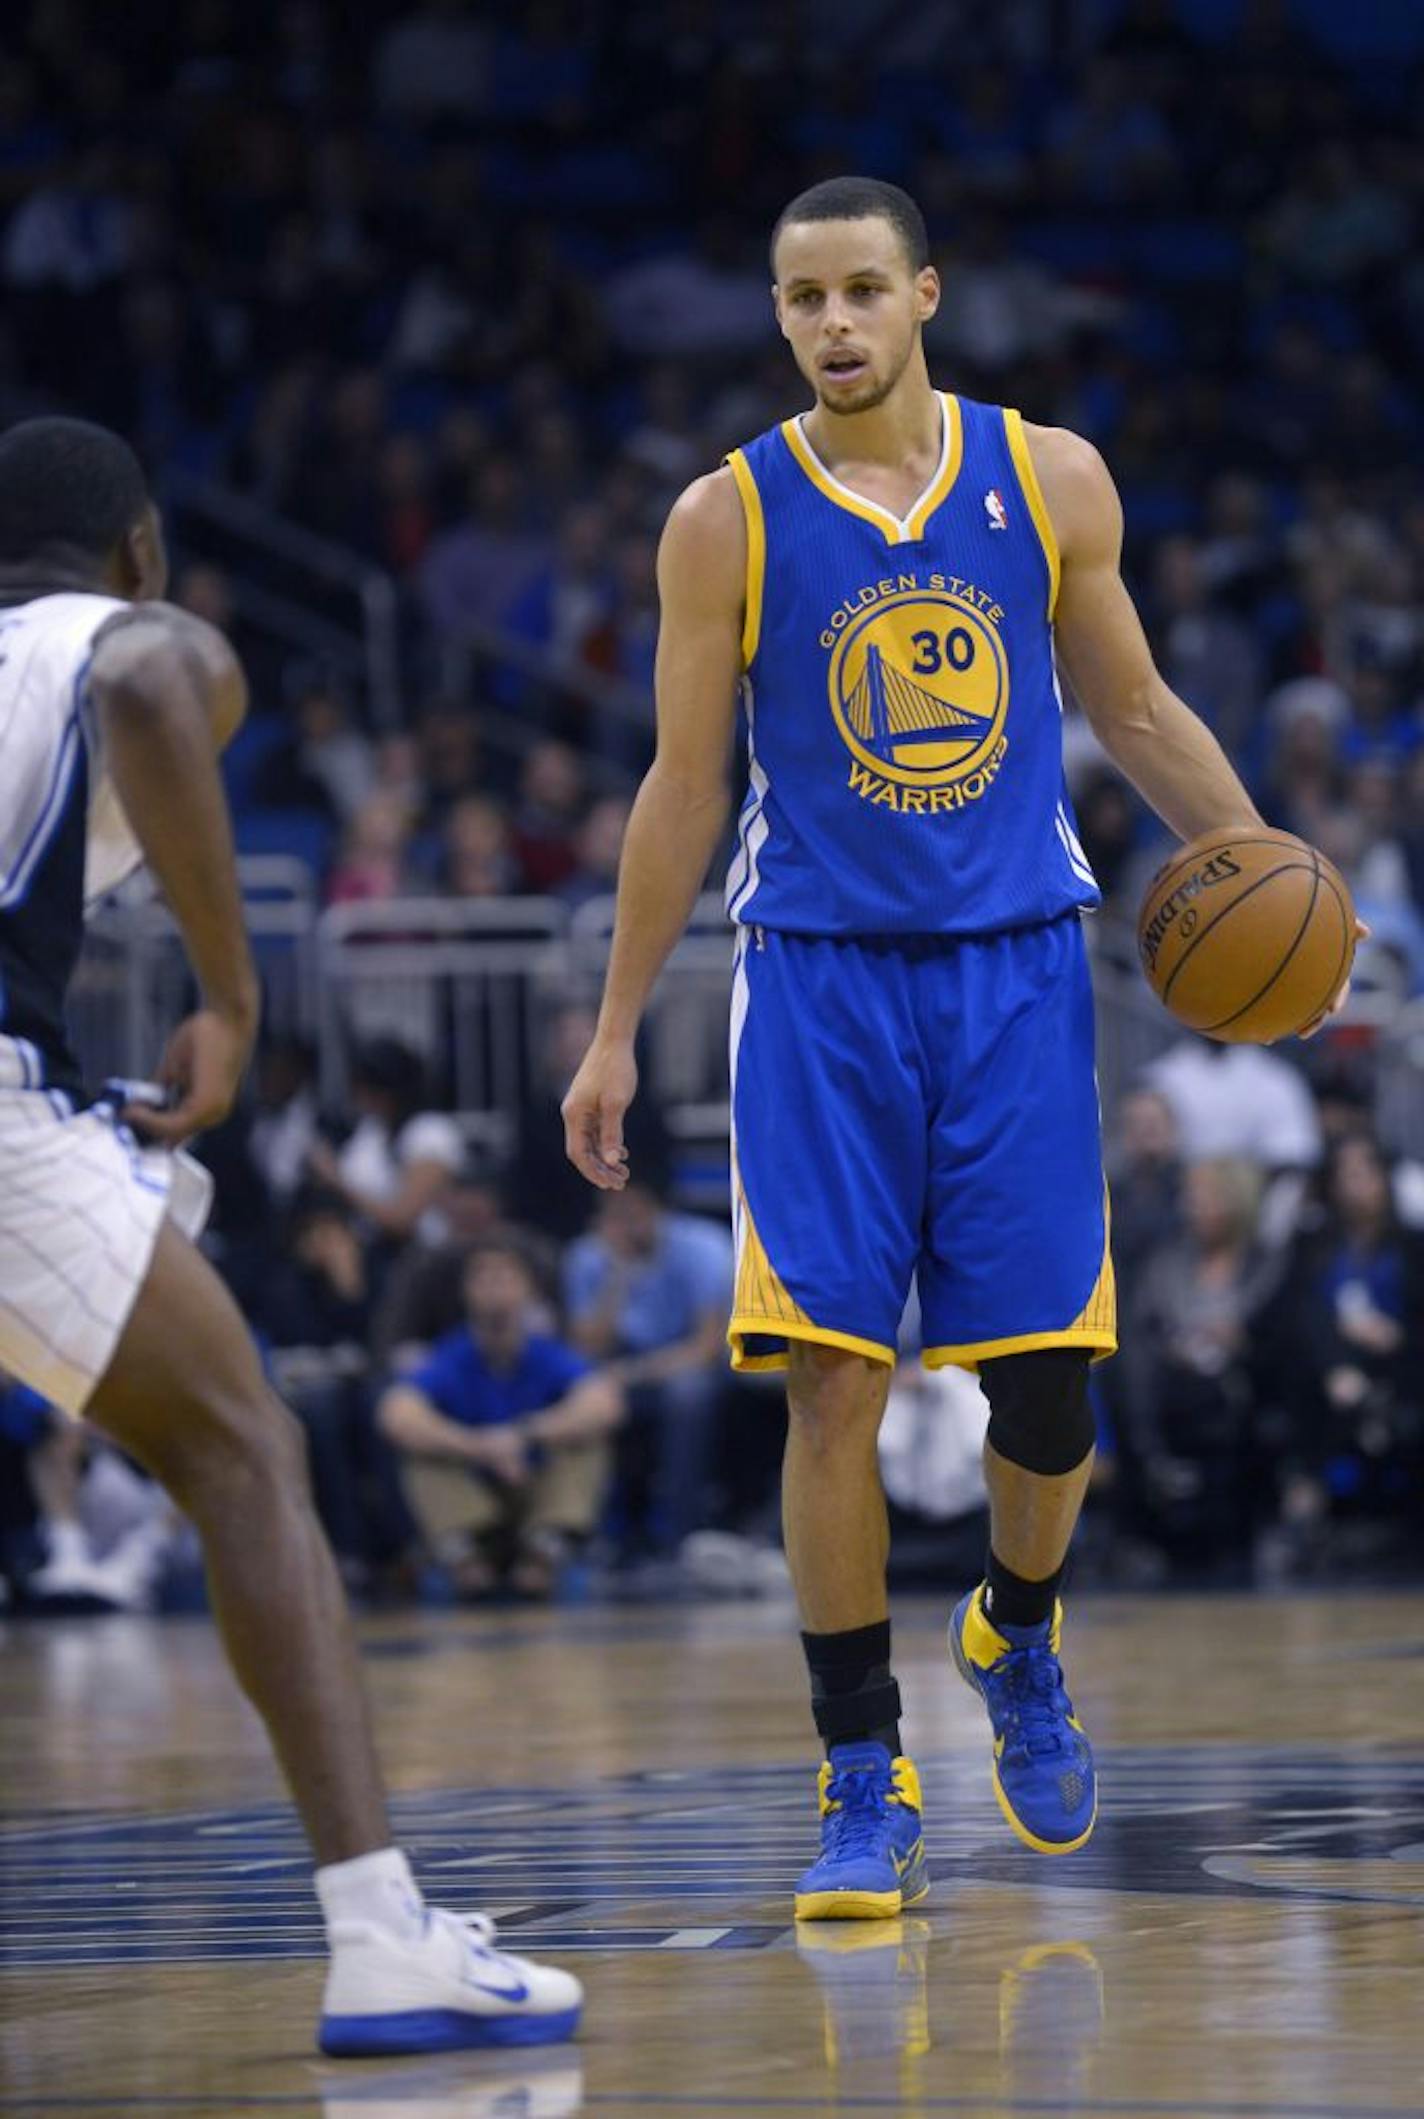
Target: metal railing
[[323, 602], [313, 597], [472, 985]]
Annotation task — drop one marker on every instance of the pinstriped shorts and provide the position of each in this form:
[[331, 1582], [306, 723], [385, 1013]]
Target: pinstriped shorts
[[81, 1205], [917, 1106]]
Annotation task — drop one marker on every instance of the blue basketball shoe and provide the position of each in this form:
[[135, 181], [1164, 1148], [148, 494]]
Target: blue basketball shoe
[[872, 1861], [1043, 1763]]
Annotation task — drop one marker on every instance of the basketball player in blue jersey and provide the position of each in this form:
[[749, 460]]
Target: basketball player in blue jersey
[[113, 709], [888, 580]]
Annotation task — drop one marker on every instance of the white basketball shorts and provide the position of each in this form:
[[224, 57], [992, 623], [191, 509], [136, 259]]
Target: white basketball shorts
[[81, 1205]]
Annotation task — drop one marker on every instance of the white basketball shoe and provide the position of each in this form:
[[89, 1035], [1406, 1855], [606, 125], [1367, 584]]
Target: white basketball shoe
[[442, 1988]]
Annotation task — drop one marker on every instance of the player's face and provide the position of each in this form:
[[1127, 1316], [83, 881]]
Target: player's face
[[850, 308]]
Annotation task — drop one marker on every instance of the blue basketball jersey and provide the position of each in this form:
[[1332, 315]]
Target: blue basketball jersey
[[906, 761]]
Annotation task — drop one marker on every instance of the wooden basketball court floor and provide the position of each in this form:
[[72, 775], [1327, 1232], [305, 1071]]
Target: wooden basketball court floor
[[631, 1791]]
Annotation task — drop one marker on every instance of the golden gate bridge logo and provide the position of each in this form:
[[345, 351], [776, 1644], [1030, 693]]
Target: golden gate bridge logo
[[919, 688], [898, 718]]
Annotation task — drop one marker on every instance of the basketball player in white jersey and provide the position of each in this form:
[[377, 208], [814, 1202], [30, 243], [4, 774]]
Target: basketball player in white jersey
[[113, 709]]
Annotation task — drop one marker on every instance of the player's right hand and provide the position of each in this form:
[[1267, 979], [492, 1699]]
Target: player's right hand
[[599, 1094], [206, 1058]]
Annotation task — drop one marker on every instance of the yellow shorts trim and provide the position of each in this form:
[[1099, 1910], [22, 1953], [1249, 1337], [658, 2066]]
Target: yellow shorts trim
[[802, 1328], [1103, 1339]]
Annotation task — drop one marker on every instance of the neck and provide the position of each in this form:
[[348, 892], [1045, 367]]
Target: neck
[[907, 423]]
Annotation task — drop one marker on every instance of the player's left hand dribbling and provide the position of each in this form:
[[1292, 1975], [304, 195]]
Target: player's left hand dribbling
[[202, 1068]]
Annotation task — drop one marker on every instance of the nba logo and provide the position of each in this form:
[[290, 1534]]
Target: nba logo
[[994, 508]]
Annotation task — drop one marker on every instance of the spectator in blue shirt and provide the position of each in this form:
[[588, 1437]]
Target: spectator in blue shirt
[[649, 1291], [503, 1432]]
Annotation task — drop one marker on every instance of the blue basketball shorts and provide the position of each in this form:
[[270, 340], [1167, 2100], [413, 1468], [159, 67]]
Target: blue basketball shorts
[[917, 1106]]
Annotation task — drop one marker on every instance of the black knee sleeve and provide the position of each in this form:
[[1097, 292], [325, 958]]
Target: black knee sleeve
[[1039, 1416]]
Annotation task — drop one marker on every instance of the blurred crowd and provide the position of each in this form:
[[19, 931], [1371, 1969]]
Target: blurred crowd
[[472, 292], [512, 1386]]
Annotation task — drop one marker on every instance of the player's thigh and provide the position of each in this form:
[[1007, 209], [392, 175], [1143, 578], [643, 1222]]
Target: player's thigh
[[185, 1380], [1016, 1223], [829, 1145]]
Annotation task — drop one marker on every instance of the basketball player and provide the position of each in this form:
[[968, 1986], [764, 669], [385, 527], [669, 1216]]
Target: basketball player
[[113, 708], [888, 579]]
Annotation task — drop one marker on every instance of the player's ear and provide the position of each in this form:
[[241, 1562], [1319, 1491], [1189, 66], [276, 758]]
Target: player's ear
[[777, 310], [144, 558], [927, 293]]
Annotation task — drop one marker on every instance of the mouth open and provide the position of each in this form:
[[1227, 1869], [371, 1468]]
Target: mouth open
[[843, 367]]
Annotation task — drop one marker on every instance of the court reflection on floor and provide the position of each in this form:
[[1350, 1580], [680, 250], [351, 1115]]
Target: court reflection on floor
[[875, 1990], [462, 2086]]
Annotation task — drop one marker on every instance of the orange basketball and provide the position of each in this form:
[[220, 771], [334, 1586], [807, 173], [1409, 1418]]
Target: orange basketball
[[1246, 936]]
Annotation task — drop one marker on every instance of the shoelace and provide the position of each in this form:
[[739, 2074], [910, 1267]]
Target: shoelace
[[855, 1827], [1030, 1702]]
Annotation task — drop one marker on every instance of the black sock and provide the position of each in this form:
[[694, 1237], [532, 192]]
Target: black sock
[[854, 1696], [1011, 1601]]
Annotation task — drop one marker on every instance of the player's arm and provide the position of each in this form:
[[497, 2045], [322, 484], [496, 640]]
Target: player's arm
[[169, 692], [681, 807], [1170, 756]]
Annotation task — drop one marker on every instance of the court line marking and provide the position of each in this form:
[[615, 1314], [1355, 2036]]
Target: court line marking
[[834, 2098]]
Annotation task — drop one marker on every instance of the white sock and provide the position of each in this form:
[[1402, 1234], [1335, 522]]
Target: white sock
[[374, 1890], [67, 1544]]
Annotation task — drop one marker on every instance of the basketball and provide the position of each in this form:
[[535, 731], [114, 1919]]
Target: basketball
[[1246, 936]]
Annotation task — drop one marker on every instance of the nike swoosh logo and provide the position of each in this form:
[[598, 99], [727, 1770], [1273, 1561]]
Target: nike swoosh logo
[[518, 1992]]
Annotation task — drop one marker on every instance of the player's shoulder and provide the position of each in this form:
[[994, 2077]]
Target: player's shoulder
[[1070, 460], [150, 653], [704, 511], [704, 541], [139, 635], [1077, 485]]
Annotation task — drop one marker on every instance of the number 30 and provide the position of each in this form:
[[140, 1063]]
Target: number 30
[[958, 651]]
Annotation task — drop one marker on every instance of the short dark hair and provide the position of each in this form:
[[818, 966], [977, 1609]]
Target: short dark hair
[[860, 199], [66, 484]]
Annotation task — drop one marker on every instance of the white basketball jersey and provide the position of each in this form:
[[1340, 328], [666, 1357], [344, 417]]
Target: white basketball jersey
[[64, 840]]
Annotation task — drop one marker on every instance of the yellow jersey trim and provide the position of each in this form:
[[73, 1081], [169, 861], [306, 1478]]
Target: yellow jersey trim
[[741, 471], [1037, 506], [893, 528], [751, 1327]]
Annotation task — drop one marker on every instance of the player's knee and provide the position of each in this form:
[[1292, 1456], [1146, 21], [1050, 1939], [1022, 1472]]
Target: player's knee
[[835, 1399], [1039, 1415], [228, 1444]]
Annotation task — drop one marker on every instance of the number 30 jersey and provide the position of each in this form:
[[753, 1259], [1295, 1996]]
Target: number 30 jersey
[[903, 714]]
